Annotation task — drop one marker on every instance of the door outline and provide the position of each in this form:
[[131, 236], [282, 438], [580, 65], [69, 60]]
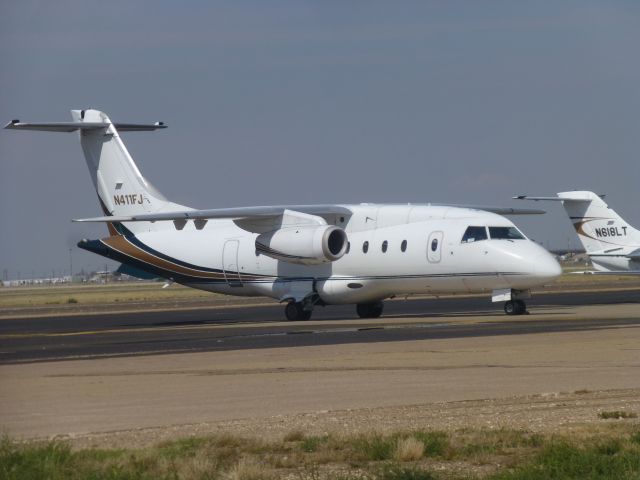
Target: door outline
[[434, 256], [230, 266]]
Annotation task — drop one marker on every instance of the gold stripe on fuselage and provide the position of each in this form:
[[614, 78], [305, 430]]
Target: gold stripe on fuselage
[[124, 246]]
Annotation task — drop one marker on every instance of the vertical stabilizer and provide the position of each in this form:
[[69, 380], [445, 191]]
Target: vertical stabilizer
[[599, 227], [121, 188]]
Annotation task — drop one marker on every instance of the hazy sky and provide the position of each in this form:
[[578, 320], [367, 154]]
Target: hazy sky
[[319, 102]]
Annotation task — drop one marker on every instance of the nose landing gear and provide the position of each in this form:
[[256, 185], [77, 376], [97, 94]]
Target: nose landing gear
[[515, 307]]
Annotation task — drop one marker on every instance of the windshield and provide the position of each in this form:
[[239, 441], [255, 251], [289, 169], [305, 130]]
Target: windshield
[[505, 233], [474, 234]]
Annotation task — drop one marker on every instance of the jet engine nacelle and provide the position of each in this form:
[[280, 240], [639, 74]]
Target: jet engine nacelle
[[308, 245]]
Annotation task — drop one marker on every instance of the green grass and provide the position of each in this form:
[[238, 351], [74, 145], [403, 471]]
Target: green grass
[[607, 459], [373, 447], [398, 472], [311, 444], [436, 444], [617, 414], [610, 451]]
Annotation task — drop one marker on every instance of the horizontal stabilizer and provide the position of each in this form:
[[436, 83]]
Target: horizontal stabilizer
[[528, 197], [635, 255], [576, 196], [73, 126]]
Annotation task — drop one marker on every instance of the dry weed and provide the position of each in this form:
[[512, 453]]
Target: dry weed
[[408, 449], [249, 469]]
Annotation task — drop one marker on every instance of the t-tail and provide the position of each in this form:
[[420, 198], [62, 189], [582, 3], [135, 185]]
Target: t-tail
[[612, 244], [598, 226], [122, 190]]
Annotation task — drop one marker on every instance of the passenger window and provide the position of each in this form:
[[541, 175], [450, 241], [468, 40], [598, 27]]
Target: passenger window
[[434, 245], [348, 248], [505, 233], [365, 247], [385, 244], [403, 246], [474, 234]]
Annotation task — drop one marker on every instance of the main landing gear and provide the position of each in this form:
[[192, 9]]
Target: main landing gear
[[300, 311], [515, 307], [370, 310], [295, 311]]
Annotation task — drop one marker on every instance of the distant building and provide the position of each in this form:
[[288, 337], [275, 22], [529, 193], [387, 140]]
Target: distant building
[[36, 281]]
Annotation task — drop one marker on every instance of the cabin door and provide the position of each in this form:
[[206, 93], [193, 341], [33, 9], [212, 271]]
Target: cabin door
[[230, 263]]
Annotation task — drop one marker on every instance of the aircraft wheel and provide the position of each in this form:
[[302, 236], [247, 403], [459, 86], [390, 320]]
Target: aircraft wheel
[[515, 307], [370, 310], [294, 311]]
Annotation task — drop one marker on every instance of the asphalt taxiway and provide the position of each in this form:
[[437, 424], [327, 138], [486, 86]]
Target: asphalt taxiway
[[155, 375], [24, 340]]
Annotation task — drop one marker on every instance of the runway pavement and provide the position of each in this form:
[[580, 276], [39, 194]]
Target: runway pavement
[[233, 328]]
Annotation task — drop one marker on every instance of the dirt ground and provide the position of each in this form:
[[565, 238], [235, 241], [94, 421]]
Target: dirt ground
[[535, 381]]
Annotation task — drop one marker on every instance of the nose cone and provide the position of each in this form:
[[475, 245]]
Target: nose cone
[[536, 266], [546, 267]]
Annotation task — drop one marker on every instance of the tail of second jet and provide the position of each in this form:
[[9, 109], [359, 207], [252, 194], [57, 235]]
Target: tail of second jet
[[612, 244], [598, 226], [121, 188]]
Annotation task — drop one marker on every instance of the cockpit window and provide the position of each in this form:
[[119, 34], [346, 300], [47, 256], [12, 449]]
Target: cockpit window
[[474, 234], [505, 233]]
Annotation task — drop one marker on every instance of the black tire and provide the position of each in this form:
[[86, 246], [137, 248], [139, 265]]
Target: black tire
[[521, 307], [370, 310], [294, 312], [515, 307], [510, 307]]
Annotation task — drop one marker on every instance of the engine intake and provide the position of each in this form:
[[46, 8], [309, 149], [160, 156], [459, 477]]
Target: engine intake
[[307, 245]]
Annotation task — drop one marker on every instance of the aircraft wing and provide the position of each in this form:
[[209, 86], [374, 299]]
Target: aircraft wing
[[236, 213], [498, 210], [612, 272]]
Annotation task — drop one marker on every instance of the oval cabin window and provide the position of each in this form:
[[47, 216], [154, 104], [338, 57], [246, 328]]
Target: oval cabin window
[[434, 245], [365, 247], [403, 246], [385, 244]]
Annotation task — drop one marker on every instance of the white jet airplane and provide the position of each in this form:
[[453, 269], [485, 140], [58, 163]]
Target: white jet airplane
[[611, 243], [304, 255]]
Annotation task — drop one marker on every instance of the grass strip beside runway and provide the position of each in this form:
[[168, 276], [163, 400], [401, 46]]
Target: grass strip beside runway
[[607, 451]]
